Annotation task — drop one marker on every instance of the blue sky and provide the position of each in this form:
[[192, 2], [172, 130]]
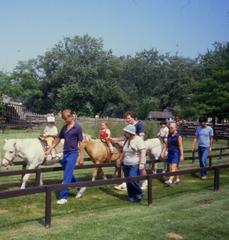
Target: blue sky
[[30, 27]]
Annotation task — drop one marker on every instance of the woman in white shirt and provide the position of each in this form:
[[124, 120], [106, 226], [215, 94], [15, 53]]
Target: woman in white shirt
[[133, 159]]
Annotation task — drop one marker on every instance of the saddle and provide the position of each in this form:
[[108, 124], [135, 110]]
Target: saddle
[[46, 141], [117, 148]]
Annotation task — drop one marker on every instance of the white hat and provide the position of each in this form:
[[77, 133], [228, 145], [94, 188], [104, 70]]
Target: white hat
[[130, 129], [50, 119]]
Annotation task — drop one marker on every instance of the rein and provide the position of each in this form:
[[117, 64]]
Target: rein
[[10, 162]]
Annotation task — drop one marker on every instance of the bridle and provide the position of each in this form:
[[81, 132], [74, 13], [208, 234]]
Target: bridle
[[10, 162]]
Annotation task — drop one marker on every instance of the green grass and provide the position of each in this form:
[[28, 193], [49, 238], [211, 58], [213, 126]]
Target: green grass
[[192, 209]]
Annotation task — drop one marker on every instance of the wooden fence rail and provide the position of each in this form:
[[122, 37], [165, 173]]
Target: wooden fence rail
[[48, 189], [38, 171], [191, 158]]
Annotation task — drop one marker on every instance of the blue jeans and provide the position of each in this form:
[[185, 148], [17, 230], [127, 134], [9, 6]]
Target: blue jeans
[[68, 163], [203, 156], [134, 190]]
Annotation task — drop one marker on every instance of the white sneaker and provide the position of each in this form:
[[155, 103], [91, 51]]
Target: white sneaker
[[62, 201], [81, 192], [144, 185], [121, 187], [177, 182], [168, 182]]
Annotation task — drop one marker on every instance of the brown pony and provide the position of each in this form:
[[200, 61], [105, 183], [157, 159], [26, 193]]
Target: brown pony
[[99, 153]]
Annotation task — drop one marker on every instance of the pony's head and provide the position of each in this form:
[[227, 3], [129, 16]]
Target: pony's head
[[9, 150]]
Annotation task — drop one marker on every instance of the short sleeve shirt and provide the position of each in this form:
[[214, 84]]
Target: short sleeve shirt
[[104, 135], [139, 128], [164, 132], [203, 135], [51, 131], [132, 151], [71, 137]]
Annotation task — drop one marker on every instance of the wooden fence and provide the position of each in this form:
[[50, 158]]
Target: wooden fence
[[48, 189], [15, 115], [221, 131]]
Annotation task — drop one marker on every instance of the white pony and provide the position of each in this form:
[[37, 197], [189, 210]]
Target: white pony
[[153, 150], [30, 150]]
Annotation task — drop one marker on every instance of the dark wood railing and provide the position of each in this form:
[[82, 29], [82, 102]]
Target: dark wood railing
[[48, 189]]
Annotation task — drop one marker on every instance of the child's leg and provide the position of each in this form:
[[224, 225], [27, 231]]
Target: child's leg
[[163, 151], [53, 153], [110, 146], [50, 141]]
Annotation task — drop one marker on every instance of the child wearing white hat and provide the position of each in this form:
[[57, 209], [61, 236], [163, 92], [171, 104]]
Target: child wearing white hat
[[50, 132]]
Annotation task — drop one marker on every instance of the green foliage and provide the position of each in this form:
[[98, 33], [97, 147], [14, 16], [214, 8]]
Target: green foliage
[[211, 93], [78, 73]]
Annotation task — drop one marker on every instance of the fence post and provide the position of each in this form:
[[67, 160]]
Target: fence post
[[120, 171], [220, 153], [216, 179], [38, 177], [193, 156], [210, 161], [48, 206], [149, 191]]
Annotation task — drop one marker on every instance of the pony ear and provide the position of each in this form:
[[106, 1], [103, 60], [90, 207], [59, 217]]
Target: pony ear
[[5, 140]]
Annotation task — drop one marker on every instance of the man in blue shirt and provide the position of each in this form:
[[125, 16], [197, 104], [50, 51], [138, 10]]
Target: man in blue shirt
[[204, 136], [71, 132]]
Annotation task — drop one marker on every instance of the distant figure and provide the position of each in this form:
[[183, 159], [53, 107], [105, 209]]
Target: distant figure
[[175, 152], [50, 129], [204, 136], [133, 159], [163, 135], [105, 135], [49, 134]]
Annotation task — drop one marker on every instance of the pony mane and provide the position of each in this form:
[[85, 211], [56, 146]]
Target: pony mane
[[87, 137]]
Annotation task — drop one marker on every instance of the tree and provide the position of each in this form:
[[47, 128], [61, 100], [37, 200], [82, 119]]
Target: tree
[[211, 92]]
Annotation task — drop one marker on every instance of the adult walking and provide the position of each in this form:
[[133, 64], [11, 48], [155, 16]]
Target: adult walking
[[131, 118], [204, 136], [133, 159], [71, 132], [175, 152]]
